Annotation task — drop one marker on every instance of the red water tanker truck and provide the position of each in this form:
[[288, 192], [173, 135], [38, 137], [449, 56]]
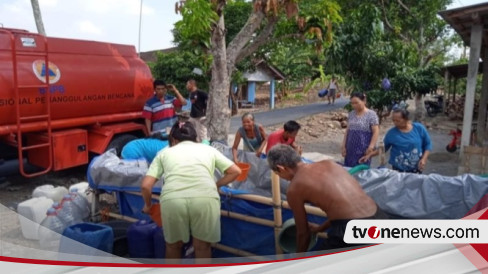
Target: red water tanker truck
[[62, 100]]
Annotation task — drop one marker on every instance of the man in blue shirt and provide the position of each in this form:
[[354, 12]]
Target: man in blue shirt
[[146, 148]]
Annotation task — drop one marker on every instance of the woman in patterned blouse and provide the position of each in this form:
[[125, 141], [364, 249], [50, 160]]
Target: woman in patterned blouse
[[362, 131]]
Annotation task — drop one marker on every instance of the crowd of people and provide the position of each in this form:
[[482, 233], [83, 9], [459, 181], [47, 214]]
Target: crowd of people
[[190, 198]]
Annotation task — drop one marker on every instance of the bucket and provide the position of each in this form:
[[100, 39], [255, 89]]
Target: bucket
[[92, 236], [287, 237], [245, 170], [31, 213], [155, 213]]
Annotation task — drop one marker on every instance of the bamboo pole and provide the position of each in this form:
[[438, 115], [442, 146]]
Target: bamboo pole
[[250, 219], [120, 217], [278, 220], [269, 201]]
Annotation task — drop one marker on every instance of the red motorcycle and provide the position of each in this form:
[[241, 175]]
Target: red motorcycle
[[456, 140]]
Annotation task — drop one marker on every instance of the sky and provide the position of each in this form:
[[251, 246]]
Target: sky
[[115, 21]]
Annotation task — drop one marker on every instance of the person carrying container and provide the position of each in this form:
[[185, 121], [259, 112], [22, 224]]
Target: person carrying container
[[190, 202]]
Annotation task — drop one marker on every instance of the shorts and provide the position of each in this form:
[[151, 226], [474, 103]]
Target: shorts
[[338, 229], [331, 93], [198, 217]]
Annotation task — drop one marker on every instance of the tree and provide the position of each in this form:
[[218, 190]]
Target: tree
[[177, 67], [205, 21], [38, 17], [390, 38]]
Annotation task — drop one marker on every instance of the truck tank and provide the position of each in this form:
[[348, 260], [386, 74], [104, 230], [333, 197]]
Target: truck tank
[[62, 98], [86, 79]]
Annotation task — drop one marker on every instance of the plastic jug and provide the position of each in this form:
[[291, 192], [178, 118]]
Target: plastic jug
[[31, 213], [81, 202], [83, 188], [159, 244], [51, 192], [140, 237], [69, 213], [50, 230]]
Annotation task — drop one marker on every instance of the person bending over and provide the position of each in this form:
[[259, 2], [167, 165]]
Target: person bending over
[[190, 202], [285, 136], [253, 135], [327, 186]]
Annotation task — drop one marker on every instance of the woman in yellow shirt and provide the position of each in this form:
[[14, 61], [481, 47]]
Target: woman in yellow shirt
[[190, 203]]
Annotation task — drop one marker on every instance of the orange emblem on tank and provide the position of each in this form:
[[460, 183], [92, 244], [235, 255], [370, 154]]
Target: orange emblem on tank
[[39, 68]]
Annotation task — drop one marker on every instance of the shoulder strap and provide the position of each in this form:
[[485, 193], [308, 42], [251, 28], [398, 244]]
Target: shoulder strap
[[246, 140], [259, 138]]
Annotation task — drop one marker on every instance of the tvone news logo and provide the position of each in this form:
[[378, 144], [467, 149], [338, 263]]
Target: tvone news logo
[[416, 231]]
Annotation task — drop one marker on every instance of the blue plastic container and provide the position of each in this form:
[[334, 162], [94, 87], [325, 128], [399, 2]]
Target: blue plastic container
[[159, 244], [92, 235], [323, 92], [140, 239]]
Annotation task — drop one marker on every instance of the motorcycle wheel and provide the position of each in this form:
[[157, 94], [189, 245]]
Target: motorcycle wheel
[[431, 112], [451, 149]]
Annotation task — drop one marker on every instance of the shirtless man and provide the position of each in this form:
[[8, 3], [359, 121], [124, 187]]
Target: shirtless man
[[326, 185]]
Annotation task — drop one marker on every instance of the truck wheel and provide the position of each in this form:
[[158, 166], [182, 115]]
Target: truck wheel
[[119, 141]]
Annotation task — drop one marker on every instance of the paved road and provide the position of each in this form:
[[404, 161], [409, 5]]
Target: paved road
[[280, 116]]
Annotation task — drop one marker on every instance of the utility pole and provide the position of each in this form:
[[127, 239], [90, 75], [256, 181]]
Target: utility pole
[[140, 24]]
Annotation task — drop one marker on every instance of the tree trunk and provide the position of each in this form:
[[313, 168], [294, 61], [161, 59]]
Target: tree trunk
[[38, 17], [218, 117], [419, 108]]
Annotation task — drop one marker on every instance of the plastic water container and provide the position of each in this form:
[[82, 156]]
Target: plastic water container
[[83, 189], [140, 237], [91, 236], [31, 213], [50, 230], [81, 202], [69, 213], [57, 206], [49, 191], [159, 244]]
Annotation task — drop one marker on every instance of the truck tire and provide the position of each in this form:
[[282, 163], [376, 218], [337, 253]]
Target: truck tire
[[119, 141]]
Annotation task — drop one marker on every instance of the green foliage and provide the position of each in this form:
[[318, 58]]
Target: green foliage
[[194, 29], [177, 68], [322, 80], [293, 59], [236, 13]]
